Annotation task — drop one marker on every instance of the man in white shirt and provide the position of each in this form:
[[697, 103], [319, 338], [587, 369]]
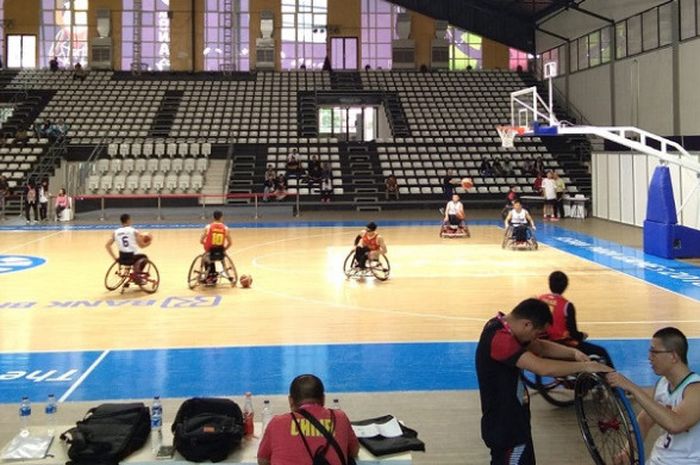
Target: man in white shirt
[[674, 405], [128, 240], [549, 190], [520, 220]]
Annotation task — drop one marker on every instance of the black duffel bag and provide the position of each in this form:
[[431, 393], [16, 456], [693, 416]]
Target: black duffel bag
[[108, 434], [207, 429]]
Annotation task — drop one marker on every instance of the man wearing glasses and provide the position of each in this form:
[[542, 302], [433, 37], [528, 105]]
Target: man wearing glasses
[[675, 404]]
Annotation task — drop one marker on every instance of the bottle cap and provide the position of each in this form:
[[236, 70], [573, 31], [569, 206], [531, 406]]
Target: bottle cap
[[248, 394]]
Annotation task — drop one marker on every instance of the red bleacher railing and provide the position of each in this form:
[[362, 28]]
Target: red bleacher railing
[[158, 198]]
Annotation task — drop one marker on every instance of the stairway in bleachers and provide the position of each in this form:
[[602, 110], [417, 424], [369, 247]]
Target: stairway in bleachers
[[6, 78], [307, 114], [243, 177], [27, 106], [362, 175], [165, 116], [396, 115], [346, 80]]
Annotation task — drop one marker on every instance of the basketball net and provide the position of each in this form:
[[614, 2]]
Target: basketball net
[[507, 135]]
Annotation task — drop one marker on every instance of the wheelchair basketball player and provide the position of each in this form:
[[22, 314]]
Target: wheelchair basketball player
[[216, 239]]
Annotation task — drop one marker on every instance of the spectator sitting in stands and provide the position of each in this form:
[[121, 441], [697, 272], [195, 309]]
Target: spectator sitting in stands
[[498, 168], [508, 167], [79, 73], [280, 183], [22, 137], [4, 192], [293, 164], [45, 128], [539, 166], [270, 171], [392, 187], [53, 64], [268, 184], [368, 67], [485, 169], [325, 170], [529, 166], [314, 171], [537, 185]]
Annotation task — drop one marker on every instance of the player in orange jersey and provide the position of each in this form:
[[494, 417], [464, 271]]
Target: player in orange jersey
[[216, 240], [369, 245]]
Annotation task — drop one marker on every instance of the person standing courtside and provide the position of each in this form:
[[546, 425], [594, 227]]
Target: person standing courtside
[[508, 344], [549, 190], [30, 201], [4, 193], [216, 239], [293, 439], [674, 404]]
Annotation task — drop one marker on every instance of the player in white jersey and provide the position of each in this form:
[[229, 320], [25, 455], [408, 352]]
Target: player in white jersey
[[128, 240], [519, 219], [675, 404]]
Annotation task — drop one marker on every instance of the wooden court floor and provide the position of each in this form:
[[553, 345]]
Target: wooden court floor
[[440, 290]]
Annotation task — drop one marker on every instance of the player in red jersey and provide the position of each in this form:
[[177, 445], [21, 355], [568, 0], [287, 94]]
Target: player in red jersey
[[564, 329], [369, 245], [216, 240]]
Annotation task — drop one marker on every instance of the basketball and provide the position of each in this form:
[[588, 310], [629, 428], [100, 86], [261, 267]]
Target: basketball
[[146, 239], [246, 280], [467, 183]]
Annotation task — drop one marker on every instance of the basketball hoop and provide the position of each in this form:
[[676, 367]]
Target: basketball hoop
[[507, 135]]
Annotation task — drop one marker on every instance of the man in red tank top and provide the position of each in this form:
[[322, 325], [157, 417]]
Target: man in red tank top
[[216, 239], [564, 329], [369, 245]]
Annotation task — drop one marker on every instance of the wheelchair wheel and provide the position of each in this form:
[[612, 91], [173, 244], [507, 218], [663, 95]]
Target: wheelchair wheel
[[229, 271], [507, 237], [194, 277], [556, 391], [116, 276], [380, 268], [350, 266], [149, 278], [607, 421], [534, 244]]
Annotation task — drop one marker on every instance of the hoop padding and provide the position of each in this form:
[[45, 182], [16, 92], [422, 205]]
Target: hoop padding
[[507, 135]]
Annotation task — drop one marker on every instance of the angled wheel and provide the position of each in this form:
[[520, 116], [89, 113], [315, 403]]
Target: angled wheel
[[195, 275], [350, 266], [380, 268], [115, 276], [506, 237], [229, 271], [149, 278], [534, 243], [607, 422]]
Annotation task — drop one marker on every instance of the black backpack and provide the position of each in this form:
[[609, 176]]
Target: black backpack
[[207, 429], [108, 434]]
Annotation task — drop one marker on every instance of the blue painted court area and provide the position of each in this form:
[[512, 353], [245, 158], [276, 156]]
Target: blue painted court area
[[133, 374]]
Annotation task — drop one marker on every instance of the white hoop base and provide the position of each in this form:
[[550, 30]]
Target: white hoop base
[[507, 135]]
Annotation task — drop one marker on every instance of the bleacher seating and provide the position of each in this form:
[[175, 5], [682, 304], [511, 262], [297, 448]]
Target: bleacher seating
[[451, 118]]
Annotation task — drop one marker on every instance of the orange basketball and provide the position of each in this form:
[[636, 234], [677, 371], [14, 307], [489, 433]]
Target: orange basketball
[[467, 183], [146, 239], [246, 280]]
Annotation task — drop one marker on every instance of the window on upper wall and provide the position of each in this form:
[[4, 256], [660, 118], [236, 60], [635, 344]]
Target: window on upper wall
[[378, 31], [64, 32], [665, 24], [215, 20], [465, 49], [621, 39], [155, 34], [688, 18], [518, 59], [304, 33], [605, 52], [650, 27], [594, 48]]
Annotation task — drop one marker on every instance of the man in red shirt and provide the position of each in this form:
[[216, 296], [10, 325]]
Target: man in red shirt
[[291, 439], [564, 329], [216, 239]]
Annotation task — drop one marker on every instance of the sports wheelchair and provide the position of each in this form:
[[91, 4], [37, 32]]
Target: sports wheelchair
[[451, 231], [121, 275], [200, 273], [510, 241], [379, 268]]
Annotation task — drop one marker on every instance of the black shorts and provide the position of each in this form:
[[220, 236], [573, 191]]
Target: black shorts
[[216, 253], [550, 201], [129, 258]]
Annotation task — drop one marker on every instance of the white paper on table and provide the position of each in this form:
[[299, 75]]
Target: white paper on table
[[390, 429], [27, 447]]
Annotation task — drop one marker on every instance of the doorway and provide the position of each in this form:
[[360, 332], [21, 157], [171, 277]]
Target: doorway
[[348, 123], [344, 53]]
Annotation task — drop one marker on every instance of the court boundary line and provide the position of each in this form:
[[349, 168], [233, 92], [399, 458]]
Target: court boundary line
[[84, 376]]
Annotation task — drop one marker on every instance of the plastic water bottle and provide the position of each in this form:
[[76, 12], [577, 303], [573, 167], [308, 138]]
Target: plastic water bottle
[[50, 410], [25, 412], [266, 414], [156, 424], [248, 414], [335, 405]]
